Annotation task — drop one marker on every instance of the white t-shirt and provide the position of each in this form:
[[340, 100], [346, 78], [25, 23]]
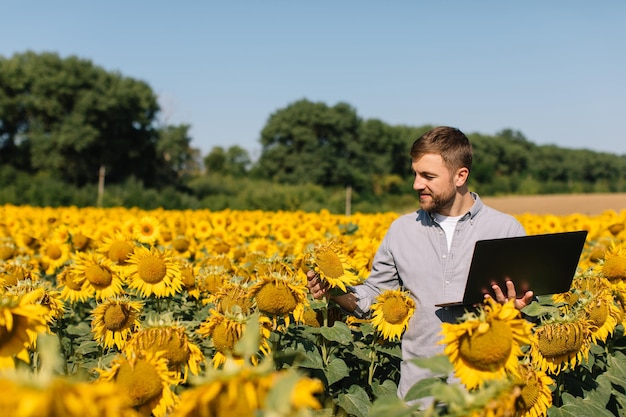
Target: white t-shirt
[[448, 224]]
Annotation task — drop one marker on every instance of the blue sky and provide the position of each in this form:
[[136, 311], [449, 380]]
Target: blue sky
[[554, 70]]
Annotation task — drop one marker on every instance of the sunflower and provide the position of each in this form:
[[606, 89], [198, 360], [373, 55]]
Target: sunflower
[[50, 298], [613, 267], [60, 396], [118, 248], [165, 335], [22, 318], [536, 396], [560, 345], [225, 330], [332, 266], [72, 288], [486, 345], [8, 249], [210, 279], [603, 314], [234, 297], [115, 320], [232, 391], [147, 230], [14, 271], [54, 253], [145, 380], [99, 273], [188, 279], [391, 313], [182, 246], [153, 271], [280, 295]]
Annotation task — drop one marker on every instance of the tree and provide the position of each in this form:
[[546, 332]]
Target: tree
[[68, 117], [234, 161], [310, 142], [173, 147]]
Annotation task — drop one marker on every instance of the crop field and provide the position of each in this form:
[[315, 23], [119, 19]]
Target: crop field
[[128, 312]]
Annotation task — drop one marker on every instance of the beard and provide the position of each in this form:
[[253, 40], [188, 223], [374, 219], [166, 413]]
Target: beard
[[437, 202]]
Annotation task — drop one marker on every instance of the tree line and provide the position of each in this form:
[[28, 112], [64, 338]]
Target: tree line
[[64, 120]]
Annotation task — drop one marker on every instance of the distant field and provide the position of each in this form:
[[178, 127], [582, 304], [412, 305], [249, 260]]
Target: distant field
[[589, 204]]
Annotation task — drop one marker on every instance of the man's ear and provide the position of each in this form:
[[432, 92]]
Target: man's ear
[[461, 177]]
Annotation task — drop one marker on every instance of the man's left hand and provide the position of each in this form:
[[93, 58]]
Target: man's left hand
[[511, 295]]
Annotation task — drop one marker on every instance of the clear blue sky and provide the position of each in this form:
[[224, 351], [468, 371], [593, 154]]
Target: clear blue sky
[[554, 70]]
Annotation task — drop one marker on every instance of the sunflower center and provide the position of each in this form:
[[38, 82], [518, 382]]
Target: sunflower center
[[221, 247], [116, 317], [100, 277], [489, 349], [142, 382], [614, 268], [152, 269], [54, 252], [6, 252], [176, 352], [80, 241], [276, 299], [531, 391], [224, 339], [188, 278], [180, 244], [120, 251], [598, 313], [395, 310], [213, 282], [71, 283], [556, 340], [329, 263]]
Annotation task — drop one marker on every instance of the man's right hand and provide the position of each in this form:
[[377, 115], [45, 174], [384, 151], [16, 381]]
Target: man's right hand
[[317, 287]]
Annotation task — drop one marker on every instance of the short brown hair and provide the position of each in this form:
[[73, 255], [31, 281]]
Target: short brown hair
[[449, 142]]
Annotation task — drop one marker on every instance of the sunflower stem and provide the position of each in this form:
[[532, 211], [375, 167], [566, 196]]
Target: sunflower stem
[[373, 365]]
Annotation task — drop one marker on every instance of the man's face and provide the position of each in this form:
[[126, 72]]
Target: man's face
[[434, 183]]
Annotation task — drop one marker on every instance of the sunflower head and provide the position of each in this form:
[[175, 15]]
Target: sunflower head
[[392, 312], [115, 320], [536, 396], [145, 379], [487, 344], [279, 295], [561, 344], [614, 265], [332, 266], [165, 335]]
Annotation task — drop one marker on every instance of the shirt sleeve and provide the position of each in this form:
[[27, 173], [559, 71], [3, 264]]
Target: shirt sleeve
[[384, 276]]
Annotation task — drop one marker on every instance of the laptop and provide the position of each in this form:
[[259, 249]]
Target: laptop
[[543, 264]]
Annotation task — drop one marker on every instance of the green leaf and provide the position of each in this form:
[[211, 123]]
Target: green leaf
[[438, 364], [311, 359], [248, 344], [80, 329], [387, 388], [339, 333], [538, 309], [355, 402], [337, 370], [390, 406], [577, 407], [86, 348], [423, 388]]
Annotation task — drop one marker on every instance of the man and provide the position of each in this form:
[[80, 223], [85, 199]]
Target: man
[[429, 252]]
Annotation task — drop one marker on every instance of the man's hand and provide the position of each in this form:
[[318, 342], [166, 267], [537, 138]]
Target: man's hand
[[510, 295], [317, 287]]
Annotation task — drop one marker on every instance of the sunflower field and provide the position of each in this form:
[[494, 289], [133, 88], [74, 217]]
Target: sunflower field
[[128, 312]]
